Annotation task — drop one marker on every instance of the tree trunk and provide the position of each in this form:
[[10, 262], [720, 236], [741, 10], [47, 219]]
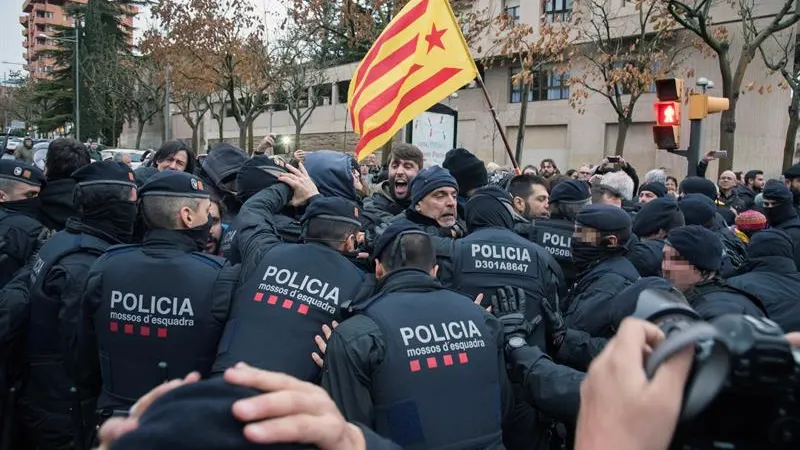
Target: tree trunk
[[221, 122], [242, 135], [297, 130], [730, 90], [196, 138], [139, 133], [250, 139], [623, 124], [523, 118], [791, 131]]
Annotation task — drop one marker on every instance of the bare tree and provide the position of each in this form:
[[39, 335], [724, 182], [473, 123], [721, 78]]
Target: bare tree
[[695, 16], [300, 80], [786, 60], [621, 59], [147, 98]]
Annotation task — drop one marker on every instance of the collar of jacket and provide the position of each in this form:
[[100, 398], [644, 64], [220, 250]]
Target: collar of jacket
[[169, 239], [414, 280], [74, 225], [421, 220]]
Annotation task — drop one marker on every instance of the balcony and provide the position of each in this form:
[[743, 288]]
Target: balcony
[[23, 20], [28, 5], [28, 67]]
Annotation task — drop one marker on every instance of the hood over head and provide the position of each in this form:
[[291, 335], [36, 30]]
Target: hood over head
[[332, 172]]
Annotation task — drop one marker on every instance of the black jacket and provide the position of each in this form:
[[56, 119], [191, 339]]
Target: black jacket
[[776, 281], [713, 298], [57, 205], [358, 348], [594, 295], [646, 257], [19, 235], [382, 204]]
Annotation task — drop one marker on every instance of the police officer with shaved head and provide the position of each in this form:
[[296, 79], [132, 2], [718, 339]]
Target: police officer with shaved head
[[20, 228], [154, 311], [288, 291], [421, 365], [105, 195]]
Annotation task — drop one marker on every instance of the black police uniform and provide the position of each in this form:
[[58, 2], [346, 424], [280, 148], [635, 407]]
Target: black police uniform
[[491, 258], [716, 297], [555, 236], [773, 277], [647, 256], [288, 292], [49, 402], [153, 311], [421, 365], [20, 228]]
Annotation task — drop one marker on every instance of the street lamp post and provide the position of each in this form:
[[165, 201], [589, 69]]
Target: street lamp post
[[76, 40]]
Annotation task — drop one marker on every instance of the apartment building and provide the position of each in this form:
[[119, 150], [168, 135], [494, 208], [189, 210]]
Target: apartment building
[[41, 19], [553, 128]]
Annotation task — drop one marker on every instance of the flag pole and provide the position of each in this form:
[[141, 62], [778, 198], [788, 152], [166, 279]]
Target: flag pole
[[500, 126]]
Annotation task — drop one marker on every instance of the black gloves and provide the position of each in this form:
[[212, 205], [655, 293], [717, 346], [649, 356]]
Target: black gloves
[[555, 327], [508, 305]]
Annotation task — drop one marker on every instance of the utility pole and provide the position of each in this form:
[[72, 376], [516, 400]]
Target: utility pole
[[77, 79]]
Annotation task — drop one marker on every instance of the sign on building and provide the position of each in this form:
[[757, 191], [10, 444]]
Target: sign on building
[[434, 132]]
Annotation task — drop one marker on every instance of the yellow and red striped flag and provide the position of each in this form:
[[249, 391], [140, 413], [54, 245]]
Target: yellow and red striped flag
[[419, 59]]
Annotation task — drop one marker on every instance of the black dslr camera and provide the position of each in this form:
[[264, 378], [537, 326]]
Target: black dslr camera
[[742, 392]]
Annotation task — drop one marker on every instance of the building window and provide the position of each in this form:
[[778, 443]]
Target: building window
[[557, 10], [546, 85], [511, 8], [343, 87]]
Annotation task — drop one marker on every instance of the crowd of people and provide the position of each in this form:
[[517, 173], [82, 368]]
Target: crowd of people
[[235, 300]]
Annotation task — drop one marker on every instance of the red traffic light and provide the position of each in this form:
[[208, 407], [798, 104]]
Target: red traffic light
[[668, 113]]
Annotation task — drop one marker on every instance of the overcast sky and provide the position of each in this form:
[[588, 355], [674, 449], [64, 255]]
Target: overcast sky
[[11, 30]]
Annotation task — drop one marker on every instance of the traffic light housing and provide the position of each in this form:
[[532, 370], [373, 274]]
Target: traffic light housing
[[667, 132], [701, 105]]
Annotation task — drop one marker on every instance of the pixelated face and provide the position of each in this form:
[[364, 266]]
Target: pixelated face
[[680, 272], [401, 172], [176, 162], [440, 205]]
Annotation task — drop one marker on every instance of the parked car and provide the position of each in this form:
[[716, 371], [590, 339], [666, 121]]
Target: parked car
[[136, 155]]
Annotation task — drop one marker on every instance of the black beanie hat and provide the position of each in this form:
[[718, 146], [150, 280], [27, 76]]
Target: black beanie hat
[[697, 209], [257, 173], [467, 169], [699, 185], [660, 214], [196, 415], [699, 246], [656, 187], [570, 191]]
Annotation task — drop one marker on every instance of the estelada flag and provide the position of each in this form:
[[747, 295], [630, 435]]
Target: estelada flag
[[419, 59]]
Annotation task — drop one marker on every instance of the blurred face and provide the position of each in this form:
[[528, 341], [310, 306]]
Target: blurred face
[[358, 182], [584, 172], [176, 162], [758, 183], [212, 246], [646, 197], [440, 205], [547, 169], [536, 206], [401, 172], [530, 171], [193, 218], [677, 270], [19, 191], [727, 180], [94, 146], [671, 186], [27, 143], [126, 159], [591, 236]]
